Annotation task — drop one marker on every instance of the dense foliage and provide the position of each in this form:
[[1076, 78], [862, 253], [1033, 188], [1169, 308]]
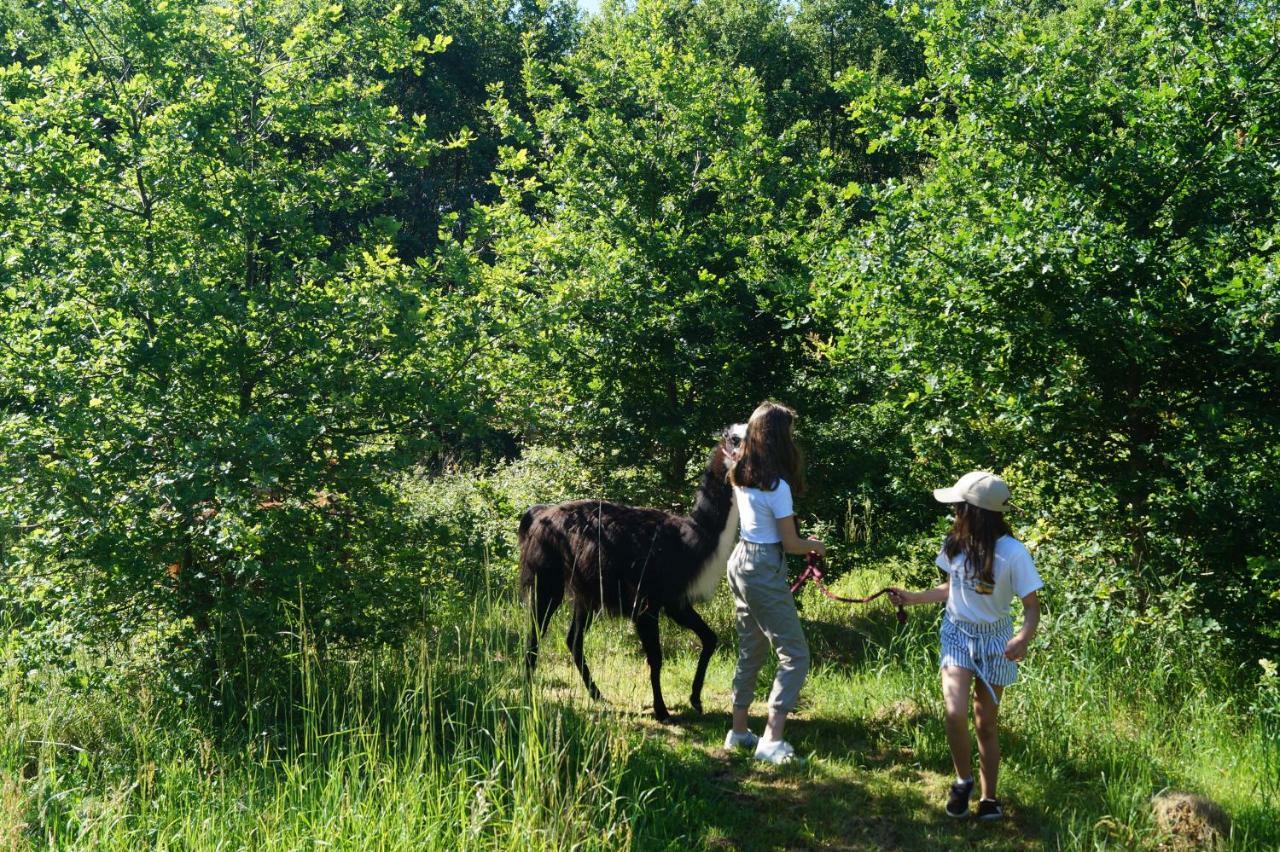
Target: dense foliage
[[214, 357], [643, 235], [1081, 287], [260, 260]]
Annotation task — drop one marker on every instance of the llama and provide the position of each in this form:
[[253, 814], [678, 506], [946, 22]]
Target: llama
[[632, 562]]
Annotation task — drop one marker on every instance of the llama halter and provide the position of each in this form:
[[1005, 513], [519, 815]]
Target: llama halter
[[814, 573]]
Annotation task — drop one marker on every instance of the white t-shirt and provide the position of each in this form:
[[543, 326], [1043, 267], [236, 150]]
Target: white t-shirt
[[1014, 572], [759, 511]]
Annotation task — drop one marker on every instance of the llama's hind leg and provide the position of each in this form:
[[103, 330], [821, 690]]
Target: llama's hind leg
[[686, 616], [582, 618], [647, 629], [546, 600]]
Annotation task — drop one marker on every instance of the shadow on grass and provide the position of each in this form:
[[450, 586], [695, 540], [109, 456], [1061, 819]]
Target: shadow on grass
[[709, 798], [865, 786], [851, 642]]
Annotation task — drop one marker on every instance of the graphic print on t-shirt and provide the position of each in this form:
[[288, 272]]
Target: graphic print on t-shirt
[[961, 573]]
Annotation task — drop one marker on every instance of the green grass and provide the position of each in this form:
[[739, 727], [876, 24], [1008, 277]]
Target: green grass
[[443, 746]]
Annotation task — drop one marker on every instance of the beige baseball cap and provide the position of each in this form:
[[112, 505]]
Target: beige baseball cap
[[978, 488]]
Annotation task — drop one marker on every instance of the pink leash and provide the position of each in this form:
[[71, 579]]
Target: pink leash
[[814, 573]]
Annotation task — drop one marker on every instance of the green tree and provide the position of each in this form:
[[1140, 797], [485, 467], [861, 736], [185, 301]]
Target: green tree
[[800, 54], [1081, 286], [204, 380], [839, 36], [490, 41], [643, 241]]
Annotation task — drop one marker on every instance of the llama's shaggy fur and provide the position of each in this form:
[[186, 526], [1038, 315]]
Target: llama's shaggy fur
[[631, 562]]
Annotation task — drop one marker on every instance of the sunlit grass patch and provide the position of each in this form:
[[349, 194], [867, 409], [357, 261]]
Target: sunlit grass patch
[[444, 745]]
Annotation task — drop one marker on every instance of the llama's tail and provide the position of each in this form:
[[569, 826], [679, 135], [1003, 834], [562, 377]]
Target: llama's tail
[[538, 563]]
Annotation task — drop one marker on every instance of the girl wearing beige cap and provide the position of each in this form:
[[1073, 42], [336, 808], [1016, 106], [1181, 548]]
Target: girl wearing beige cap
[[986, 568]]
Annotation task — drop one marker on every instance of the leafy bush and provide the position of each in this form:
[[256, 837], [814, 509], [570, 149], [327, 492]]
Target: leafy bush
[[212, 357], [1079, 289]]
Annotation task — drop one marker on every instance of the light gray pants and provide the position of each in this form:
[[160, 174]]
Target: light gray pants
[[766, 619]]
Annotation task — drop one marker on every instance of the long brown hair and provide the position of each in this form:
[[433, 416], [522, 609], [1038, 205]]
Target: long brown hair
[[769, 451], [975, 533]]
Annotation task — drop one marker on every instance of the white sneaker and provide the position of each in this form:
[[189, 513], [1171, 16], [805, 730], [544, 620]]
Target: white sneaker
[[746, 739], [775, 751]]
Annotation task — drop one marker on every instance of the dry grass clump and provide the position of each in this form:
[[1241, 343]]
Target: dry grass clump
[[13, 805], [902, 712], [1190, 821]]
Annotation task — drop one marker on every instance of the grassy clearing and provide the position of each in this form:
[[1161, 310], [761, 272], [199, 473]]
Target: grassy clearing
[[1082, 758], [444, 748]]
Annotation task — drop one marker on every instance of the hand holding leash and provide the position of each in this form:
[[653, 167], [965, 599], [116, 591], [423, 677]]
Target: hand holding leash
[[814, 573]]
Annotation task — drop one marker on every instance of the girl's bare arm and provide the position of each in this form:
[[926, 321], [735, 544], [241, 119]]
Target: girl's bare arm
[[938, 594], [1016, 648], [792, 542]]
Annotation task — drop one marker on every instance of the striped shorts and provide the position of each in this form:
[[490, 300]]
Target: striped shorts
[[979, 648]]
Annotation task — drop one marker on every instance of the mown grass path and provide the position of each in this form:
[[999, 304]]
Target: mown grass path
[[1081, 758], [870, 777]]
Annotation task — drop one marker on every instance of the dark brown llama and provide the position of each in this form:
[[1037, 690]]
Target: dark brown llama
[[632, 563]]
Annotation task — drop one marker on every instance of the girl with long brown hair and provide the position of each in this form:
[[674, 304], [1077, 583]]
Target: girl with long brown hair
[[767, 473], [986, 568]]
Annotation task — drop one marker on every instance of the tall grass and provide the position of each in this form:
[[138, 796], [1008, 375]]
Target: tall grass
[[439, 747], [442, 745]]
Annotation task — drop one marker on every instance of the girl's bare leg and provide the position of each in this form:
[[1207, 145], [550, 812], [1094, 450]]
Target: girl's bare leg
[[955, 700], [777, 722], [986, 714]]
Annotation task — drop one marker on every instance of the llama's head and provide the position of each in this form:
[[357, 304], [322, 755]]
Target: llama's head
[[730, 444], [733, 438]]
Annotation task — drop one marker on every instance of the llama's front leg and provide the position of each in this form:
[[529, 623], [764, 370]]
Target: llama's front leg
[[688, 618], [647, 629], [577, 634]]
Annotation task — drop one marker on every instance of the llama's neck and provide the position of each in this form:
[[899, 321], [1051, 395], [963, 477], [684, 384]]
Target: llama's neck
[[716, 565], [715, 525], [712, 503]]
